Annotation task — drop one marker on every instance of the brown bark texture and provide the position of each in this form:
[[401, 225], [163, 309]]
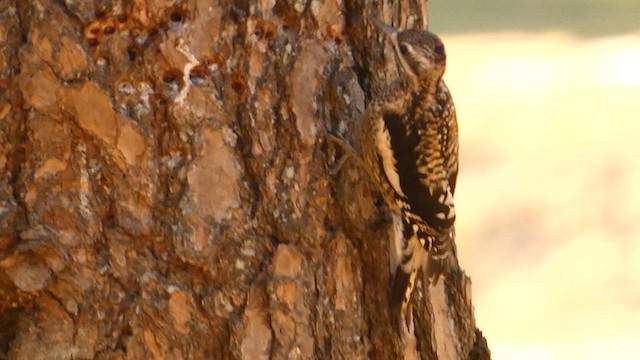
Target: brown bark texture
[[167, 192]]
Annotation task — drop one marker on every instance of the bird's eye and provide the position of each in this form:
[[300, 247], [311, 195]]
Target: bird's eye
[[439, 49], [404, 48]]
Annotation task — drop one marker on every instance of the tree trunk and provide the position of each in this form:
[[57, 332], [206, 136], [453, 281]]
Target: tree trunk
[[166, 190]]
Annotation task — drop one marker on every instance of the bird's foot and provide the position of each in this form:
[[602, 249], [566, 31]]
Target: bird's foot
[[348, 153]]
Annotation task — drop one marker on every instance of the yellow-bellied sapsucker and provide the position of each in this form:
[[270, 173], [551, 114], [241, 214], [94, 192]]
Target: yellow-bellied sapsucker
[[410, 146]]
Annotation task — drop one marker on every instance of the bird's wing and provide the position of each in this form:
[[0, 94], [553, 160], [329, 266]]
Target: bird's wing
[[450, 141], [411, 169]]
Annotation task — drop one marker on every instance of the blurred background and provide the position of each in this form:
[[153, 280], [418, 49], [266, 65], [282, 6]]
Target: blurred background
[[548, 197]]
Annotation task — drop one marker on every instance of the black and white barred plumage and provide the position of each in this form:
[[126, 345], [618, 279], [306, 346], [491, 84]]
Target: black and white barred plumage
[[410, 145]]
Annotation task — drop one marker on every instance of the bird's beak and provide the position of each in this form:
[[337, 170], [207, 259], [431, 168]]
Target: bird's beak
[[388, 29]]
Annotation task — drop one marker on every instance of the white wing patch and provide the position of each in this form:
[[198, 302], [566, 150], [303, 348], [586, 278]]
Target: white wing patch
[[383, 145]]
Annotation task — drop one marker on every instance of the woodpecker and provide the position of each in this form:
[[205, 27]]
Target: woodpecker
[[410, 147]]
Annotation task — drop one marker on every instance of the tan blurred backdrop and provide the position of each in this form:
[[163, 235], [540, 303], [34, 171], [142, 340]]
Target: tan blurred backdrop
[[548, 99]]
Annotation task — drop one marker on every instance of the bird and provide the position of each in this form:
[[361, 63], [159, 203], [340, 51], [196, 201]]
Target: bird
[[409, 144]]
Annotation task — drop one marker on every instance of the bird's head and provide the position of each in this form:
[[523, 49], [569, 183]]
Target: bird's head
[[420, 52]]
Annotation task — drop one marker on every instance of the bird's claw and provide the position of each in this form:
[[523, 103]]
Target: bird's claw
[[348, 153]]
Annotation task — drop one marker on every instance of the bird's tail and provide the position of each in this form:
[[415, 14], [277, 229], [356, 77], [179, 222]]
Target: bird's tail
[[405, 280], [441, 256], [403, 285], [412, 260]]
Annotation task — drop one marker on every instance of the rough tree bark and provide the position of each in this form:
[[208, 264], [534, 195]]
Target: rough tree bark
[[166, 190]]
